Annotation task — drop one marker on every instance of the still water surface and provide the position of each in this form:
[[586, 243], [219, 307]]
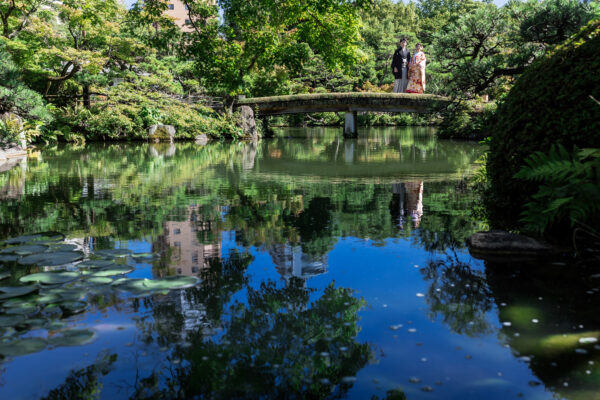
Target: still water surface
[[328, 267]]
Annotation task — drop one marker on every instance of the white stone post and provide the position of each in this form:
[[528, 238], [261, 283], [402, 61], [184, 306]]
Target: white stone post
[[351, 126]]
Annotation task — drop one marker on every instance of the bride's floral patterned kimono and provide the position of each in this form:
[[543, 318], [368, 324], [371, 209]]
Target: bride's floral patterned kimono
[[416, 73]]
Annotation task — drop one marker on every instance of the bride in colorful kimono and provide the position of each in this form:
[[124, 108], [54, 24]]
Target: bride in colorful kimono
[[416, 71]]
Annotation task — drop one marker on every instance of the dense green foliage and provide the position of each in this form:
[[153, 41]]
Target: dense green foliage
[[109, 73], [568, 188], [560, 85]]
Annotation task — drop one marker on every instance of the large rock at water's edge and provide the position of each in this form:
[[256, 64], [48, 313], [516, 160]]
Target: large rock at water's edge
[[247, 122], [496, 243], [201, 140], [161, 133], [12, 151]]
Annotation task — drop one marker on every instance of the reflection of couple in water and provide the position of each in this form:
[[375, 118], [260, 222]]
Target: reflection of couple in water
[[409, 72], [407, 201]]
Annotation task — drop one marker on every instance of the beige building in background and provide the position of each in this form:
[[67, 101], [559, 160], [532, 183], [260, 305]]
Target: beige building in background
[[177, 10]]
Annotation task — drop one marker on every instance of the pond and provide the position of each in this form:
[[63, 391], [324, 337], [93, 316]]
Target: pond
[[304, 266]]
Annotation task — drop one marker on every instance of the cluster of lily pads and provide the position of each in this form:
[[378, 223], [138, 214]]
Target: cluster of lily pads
[[43, 279]]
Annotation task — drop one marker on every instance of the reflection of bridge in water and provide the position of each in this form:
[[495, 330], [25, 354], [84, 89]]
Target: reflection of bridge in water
[[350, 103]]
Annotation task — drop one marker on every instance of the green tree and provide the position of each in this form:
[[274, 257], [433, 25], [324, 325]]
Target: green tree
[[261, 34]]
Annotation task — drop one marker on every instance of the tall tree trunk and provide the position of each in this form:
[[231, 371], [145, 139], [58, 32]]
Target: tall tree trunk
[[86, 97]]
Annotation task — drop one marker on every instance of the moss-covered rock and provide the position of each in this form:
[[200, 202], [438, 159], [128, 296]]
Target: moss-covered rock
[[549, 104]]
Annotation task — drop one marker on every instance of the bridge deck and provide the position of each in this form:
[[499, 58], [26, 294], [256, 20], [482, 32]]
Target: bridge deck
[[345, 102]]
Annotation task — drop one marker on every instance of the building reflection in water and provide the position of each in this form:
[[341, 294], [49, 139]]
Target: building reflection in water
[[186, 248], [292, 262], [188, 245], [407, 202]]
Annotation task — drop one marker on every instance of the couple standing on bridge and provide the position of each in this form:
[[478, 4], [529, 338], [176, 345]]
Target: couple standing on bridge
[[409, 72]]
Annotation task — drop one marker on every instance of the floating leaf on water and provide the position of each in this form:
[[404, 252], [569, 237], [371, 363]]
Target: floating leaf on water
[[37, 237], [52, 311], [98, 280], [20, 302], [8, 258], [24, 310], [11, 320], [74, 337], [134, 286], [24, 250], [93, 264], [179, 282], [33, 323], [74, 307], [52, 259], [47, 298], [66, 293], [21, 347], [145, 256], [4, 275], [112, 271], [50, 278], [414, 379], [115, 252], [63, 247], [8, 292]]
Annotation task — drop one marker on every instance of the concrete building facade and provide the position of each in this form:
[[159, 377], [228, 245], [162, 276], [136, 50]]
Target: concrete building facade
[[178, 10]]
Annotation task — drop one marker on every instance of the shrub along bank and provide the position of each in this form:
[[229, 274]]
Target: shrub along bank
[[540, 180]]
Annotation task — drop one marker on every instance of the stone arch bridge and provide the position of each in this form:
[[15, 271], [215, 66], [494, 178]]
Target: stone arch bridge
[[350, 103]]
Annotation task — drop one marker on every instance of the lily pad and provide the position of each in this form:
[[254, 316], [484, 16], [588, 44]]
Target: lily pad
[[133, 286], [20, 302], [48, 298], [50, 278], [63, 247], [24, 250], [8, 292], [11, 320], [74, 337], [33, 323], [4, 275], [93, 264], [52, 311], [38, 237], [179, 282], [74, 307], [51, 259], [24, 310], [114, 252], [8, 258], [67, 293], [145, 256], [21, 347], [100, 280], [112, 271]]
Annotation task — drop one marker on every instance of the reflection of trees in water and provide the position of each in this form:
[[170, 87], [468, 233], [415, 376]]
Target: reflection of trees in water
[[84, 383], [458, 294], [449, 219], [275, 345], [314, 224], [563, 299]]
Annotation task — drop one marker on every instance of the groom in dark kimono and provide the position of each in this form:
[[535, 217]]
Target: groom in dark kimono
[[400, 67]]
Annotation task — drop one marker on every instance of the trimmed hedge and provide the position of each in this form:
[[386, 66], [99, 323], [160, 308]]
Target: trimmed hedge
[[549, 104]]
